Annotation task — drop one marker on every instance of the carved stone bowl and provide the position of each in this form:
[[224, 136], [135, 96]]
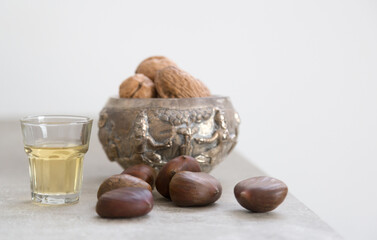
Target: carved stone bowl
[[155, 130]]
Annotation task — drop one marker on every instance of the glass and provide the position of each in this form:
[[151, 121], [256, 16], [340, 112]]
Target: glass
[[56, 146]]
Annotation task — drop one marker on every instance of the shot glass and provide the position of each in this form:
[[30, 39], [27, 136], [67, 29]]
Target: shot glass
[[56, 146]]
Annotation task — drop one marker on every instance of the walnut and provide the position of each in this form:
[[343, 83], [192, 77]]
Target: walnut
[[151, 65], [172, 82], [137, 86]]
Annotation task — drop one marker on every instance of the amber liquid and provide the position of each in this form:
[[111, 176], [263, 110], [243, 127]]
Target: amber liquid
[[56, 170]]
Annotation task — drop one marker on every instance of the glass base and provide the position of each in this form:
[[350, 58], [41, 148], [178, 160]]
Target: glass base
[[55, 199]]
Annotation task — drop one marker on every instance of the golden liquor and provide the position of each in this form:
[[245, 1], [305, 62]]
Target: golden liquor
[[56, 170]]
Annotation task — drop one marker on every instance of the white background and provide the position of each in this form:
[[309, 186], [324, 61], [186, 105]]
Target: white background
[[302, 74]]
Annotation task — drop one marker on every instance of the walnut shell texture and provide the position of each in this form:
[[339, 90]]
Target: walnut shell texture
[[172, 82], [151, 65], [137, 86]]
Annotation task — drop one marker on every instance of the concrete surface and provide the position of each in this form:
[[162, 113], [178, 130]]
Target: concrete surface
[[20, 219]]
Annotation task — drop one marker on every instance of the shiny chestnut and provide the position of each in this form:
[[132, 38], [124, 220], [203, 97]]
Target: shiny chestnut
[[260, 194], [181, 163]]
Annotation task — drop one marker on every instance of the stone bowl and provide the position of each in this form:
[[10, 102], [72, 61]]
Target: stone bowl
[[155, 130]]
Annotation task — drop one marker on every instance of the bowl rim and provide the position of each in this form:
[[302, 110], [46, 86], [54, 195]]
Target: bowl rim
[[168, 99], [116, 102]]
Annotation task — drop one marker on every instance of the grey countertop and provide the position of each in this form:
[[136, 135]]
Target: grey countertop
[[20, 219]]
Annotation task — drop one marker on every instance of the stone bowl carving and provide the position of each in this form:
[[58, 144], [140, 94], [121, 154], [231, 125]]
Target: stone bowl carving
[[155, 130]]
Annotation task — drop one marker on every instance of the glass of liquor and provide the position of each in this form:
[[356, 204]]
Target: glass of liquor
[[56, 146]]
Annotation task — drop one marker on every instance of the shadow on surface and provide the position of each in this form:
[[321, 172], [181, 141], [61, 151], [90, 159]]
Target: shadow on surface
[[247, 215], [117, 220]]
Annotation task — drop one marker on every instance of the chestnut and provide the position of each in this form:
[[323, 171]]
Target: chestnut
[[260, 194], [181, 163], [125, 203], [194, 189], [142, 171], [121, 180]]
